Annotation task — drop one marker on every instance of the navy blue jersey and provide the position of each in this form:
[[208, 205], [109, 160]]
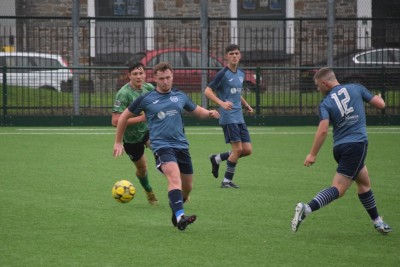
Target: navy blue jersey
[[228, 86], [164, 117], [344, 107]]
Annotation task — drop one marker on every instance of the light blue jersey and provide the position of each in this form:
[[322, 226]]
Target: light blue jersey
[[164, 117], [228, 86], [344, 107]]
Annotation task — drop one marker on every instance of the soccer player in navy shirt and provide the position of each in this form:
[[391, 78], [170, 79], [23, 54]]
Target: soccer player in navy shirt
[[226, 91], [163, 108], [343, 107]]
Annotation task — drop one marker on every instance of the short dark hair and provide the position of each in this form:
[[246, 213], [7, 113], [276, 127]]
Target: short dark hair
[[162, 66], [135, 65], [325, 73], [231, 47]]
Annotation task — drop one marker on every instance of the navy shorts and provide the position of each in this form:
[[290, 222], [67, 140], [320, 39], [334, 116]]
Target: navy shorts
[[350, 158], [236, 132], [136, 150], [180, 156]]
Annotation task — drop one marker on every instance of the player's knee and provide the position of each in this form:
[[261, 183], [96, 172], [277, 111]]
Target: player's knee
[[246, 152], [141, 170]]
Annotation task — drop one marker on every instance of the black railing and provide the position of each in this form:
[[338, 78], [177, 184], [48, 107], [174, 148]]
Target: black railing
[[277, 91], [281, 53]]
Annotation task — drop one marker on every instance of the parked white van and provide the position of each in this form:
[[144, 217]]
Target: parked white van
[[28, 72]]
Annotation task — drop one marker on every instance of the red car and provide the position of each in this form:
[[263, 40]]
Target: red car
[[186, 79]]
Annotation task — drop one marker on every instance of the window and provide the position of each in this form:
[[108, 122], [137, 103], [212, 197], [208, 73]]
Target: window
[[251, 8], [119, 8], [45, 62], [271, 39], [194, 59], [114, 40]]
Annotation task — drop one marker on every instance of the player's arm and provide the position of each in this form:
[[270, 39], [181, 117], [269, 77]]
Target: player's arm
[[203, 113], [246, 105], [208, 92], [133, 120], [378, 102], [320, 135], [121, 126]]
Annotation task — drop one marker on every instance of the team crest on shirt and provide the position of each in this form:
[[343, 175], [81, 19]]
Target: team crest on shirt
[[173, 99], [117, 103], [241, 79], [161, 115]]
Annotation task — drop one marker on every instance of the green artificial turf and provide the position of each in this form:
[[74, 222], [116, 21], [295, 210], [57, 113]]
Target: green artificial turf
[[56, 207]]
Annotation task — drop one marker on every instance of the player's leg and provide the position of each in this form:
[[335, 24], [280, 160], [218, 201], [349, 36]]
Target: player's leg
[[216, 160], [231, 165], [232, 136], [137, 156], [178, 193], [167, 162], [339, 186], [187, 186], [247, 148], [142, 175], [186, 174], [175, 196], [367, 199]]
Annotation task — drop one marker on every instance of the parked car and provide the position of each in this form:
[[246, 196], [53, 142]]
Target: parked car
[[185, 79], [28, 74], [371, 77]]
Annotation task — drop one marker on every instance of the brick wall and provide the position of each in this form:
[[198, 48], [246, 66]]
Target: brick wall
[[52, 36], [55, 36]]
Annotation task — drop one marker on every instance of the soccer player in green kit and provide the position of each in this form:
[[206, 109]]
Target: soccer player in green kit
[[136, 135]]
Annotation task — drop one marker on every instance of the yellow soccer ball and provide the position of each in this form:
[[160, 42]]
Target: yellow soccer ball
[[123, 191]]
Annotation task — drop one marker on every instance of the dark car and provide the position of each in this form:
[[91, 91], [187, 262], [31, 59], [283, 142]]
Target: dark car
[[352, 68], [186, 79]]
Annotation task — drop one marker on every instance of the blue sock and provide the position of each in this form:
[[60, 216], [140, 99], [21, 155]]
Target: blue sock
[[368, 201], [176, 202], [323, 198]]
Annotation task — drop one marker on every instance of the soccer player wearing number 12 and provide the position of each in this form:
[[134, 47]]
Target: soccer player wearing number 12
[[343, 106]]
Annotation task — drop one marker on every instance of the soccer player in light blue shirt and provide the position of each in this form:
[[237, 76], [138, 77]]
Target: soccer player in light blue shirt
[[163, 109], [226, 91], [343, 107]]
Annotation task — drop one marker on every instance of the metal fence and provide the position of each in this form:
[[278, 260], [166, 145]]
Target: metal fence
[[276, 92], [279, 53]]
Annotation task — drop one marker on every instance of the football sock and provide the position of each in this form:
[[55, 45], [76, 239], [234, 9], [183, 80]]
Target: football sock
[[224, 156], [230, 170], [368, 201], [176, 202], [307, 210], [144, 181], [323, 198]]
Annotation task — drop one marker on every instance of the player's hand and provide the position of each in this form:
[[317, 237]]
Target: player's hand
[[214, 114], [118, 150], [249, 109], [310, 160], [227, 105]]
